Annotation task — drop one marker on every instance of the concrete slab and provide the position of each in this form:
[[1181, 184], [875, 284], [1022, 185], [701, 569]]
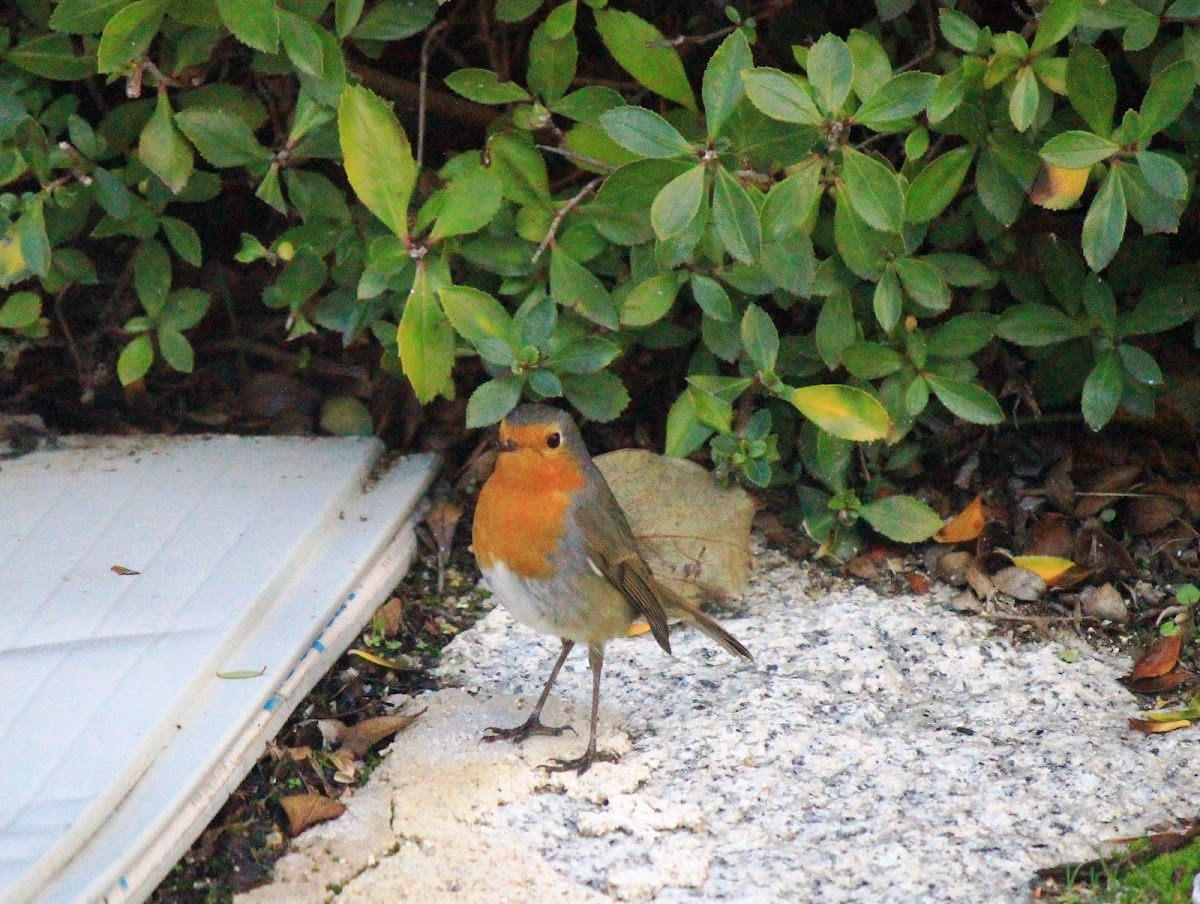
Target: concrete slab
[[877, 750]]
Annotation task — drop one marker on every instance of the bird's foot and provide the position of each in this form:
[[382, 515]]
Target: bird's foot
[[526, 730], [581, 764]]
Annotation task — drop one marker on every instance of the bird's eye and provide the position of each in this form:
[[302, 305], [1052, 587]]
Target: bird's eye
[[554, 440]]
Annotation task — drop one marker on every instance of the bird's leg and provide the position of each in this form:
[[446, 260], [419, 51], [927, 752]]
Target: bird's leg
[[533, 725], [583, 763]]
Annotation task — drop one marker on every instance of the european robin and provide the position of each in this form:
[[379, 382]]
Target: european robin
[[556, 549]]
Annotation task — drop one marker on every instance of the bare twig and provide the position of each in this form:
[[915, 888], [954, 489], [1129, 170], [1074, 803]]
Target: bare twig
[[407, 94], [422, 89], [576, 157], [562, 214], [696, 40]]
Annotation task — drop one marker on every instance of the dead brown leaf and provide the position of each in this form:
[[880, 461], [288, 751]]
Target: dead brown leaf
[[1019, 583], [360, 738], [305, 810], [966, 525], [1160, 685], [123, 571], [952, 567], [1104, 602], [1106, 489], [1162, 656], [1149, 514], [1097, 550], [1051, 536], [694, 534], [389, 618], [863, 568], [917, 582]]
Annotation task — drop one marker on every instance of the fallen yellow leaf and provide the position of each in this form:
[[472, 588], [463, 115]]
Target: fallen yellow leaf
[[1046, 567], [966, 525]]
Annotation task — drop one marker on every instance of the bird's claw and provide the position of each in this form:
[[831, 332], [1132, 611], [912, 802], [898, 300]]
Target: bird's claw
[[581, 764], [526, 730]]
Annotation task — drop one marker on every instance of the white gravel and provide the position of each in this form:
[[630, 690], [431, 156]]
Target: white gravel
[[877, 750]]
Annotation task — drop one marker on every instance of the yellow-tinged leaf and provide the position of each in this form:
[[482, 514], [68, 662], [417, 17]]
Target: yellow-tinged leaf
[[1157, 727], [1057, 188], [398, 664], [637, 628], [1172, 715], [377, 156], [242, 674], [1048, 568], [844, 411], [966, 525]]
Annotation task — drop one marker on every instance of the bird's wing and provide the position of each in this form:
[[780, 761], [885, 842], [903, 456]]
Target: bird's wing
[[608, 542]]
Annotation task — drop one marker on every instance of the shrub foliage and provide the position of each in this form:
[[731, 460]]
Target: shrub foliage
[[841, 233]]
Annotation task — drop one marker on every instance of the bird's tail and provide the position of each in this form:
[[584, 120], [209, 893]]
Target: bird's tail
[[678, 607]]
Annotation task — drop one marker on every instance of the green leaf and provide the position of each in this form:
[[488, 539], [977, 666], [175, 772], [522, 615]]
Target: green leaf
[[221, 138], [346, 14], [20, 310], [1140, 365], [184, 309], [1104, 225], [516, 10], [176, 350], [899, 98], [937, 185], [162, 149], [962, 336], [844, 411], [1037, 325], [645, 133], [872, 68], [870, 360], [128, 34], [735, 218], [685, 433], [183, 239], [1056, 22], [958, 29], [831, 72], [584, 356], [649, 300], [469, 203], [923, 283], [52, 56], [574, 286], [791, 204], [781, 96], [677, 204], [637, 46], [484, 87], [1163, 174], [873, 190], [722, 87], [1023, 104], [862, 247], [598, 397], [253, 22], [1077, 150], [395, 20], [1102, 390], [836, 328], [972, 403], [302, 42], [1166, 98], [478, 317], [426, 341], [552, 60], [760, 339], [904, 519], [152, 276], [135, 359], [493, 399], [962, 269], [1090, 87], [1100, 304], [84, 17], [888, 300], [377, 157], [712, 298]]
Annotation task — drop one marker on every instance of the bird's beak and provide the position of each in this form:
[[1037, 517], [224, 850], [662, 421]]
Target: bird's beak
[[506, 445]]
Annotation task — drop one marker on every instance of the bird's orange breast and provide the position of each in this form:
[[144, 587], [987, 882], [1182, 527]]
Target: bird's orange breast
[[520, 517]]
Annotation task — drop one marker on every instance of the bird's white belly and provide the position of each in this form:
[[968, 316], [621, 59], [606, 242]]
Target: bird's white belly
[[530, 602]]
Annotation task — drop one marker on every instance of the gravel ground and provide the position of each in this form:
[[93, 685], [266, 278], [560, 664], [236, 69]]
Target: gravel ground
[[878, 749]]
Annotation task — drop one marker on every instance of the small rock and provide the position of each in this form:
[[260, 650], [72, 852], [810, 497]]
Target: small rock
[[1019, 583], [1104, 602], [952, 567]]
